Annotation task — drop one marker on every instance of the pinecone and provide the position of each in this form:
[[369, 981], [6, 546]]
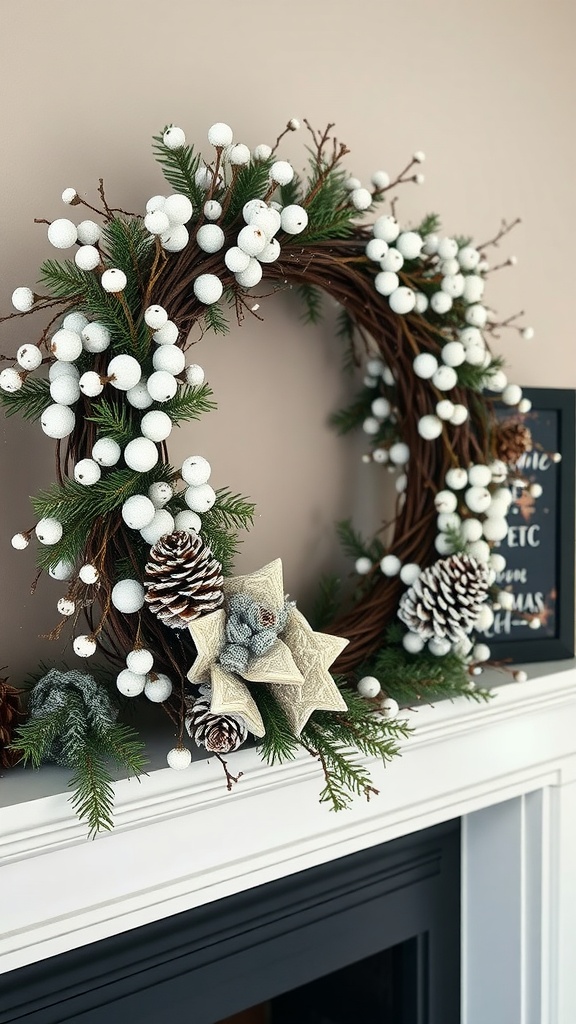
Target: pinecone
[[182, 579], [513, 440], [219, 733], [11, 715], [445, 600]]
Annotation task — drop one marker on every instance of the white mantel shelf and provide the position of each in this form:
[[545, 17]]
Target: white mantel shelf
[[181, 840]]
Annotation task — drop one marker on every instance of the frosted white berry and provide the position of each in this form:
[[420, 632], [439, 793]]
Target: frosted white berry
[[169, 358], [63, 570], [212, 209], [48, 530], [84, 646], [239, 155], [141, 454], [194, 375], [267, 219], [174, 138], [156, 426], [390, 565], [95, 337], [175, 238], [439, 646], [128, 596], [456, 478], [371, 425], [158, 688], [69, 196], [57, 421], [155, 317], [156, 222], [139, 661], [361, 198], [251, 276], [281, 172], [453, 353], [448, 522], [138, 511], [476, 315], [402, 300], [294, 219], [480, 475], [512, 394], [471, 530], [392, 260], [262, 151], [386, 282], [412, 642], [236, 259], [445, 378], [524, 405], [444, 544], [196, 470], [179, 758], [429, 427], [409, 243], [444, 409], [66, 345], [161, 524], [252, 239], [369, 686], [363, 566], [460, 415], [389, 708], [220, 135], [270, 252], [478, 499], [528, 333], [87, 257], [188, 520], [29, 357], [89, 574], [506, 600], [106, 451], [200, 498], [409, 573], [399, 453], [66, 606], [65, 390], [125, 372], [425, 365], [386, 228], [114, 280], [440, 303], [495, 528], [167, 334], [75, 321], [129, 683], [23, 299], [20, 541], [160, 493], [10, 380], [445, 501], [162, 386], [381, 407], [208, 288], [380, 180], [210, 238], [87, 472], [178, 209], [473, 288], [139, 397], [89, 232], [376, 249], [62, 233], [90, 384]]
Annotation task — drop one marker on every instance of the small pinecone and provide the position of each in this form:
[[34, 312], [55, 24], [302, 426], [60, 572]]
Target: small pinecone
[[11, 715], [513, 440], [446, 598], [219, 733], [182, 579]]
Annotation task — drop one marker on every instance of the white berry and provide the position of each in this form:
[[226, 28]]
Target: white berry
[[141, 454], [114, 280], [139, 661], [95, 337], [158, 689], [57, 421], [62, 233], [87, 472], [195, 375], [208, 288], [89, 574], [160, 493], [369, 686], [84, 646], [23, 299], [129, 683], [161, 524], [294, 219], [200, 498], [128, 596], [162, 386], [196, 470], [66, 345], [29, 357], [138, 511], [156, 426], [106, 451], [179, 758], [174, 138]]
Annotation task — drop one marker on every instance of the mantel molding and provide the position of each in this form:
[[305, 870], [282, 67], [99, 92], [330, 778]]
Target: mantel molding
[[181, 840]]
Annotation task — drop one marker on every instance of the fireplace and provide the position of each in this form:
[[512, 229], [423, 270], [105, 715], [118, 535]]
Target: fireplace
[[506, 770], [374, 936]]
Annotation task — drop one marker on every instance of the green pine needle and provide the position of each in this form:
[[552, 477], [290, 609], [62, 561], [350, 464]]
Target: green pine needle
[[252, 182], [215, 319], [30, 401], [189, 403], [93, 796], [353, 415], [312, 300], [355, 546], [327, 601], [112, 421], [179, 167], [278, 743]]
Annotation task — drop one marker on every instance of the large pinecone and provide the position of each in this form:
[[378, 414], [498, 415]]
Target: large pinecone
[[182, 579], [219, 733], [446, 598], [11, 715]]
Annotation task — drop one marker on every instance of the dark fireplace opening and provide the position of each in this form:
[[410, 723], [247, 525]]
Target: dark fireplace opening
[[370, 938]]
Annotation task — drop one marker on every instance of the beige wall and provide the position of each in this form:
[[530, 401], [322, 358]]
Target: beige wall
[[486, 89]]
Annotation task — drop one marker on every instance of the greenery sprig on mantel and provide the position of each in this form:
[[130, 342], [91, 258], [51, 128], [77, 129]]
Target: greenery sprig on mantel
[[144, 550]]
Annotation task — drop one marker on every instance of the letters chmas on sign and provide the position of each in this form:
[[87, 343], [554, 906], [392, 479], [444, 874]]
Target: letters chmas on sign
[[539, 546]]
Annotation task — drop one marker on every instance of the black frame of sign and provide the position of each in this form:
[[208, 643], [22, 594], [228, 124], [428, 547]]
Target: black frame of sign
[[561, 645]]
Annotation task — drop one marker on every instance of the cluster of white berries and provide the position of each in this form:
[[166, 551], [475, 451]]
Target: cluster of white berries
[[138, 677], [371, 688]]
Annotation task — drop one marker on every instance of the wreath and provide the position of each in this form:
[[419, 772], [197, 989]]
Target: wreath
[[144, 550]]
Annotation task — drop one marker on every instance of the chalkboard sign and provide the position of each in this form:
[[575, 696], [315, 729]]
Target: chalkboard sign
[[539, 547]]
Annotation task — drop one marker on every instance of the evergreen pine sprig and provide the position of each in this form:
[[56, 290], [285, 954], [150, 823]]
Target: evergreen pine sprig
[[179, 167], [112, 421], [30, 401], [352, 415], [356, 546], [189, 403], [64, 280], [278, 743], [312, 299], [251, 182], [230, 513], [215, 320], [330, 212], [92, 796]]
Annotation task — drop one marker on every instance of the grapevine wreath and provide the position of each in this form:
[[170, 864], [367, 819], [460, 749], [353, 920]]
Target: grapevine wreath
[[144, 551]]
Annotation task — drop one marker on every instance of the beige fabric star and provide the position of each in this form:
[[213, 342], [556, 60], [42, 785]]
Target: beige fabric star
[[295, 668]]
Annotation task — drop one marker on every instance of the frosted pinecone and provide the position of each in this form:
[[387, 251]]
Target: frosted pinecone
[[220, 734], [182, 579], [445, 600]]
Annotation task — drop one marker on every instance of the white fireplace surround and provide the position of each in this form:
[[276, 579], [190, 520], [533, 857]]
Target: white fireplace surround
[[508, 769]]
